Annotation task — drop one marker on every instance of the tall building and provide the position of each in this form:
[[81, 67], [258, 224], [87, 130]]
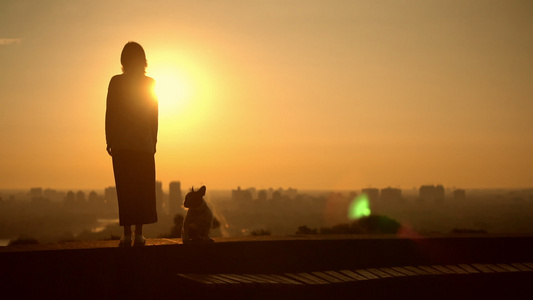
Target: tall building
[[110, 199], [80, 197], [241, 196], [391, 194], [291, 193], [431, 193], [459, 195], [36, 193], [371, 193], [276, 197], [70, 198], [36, 196], [53, 195], [159, 197], [175, 198], [262, 196], [110, 195], [93, 197]]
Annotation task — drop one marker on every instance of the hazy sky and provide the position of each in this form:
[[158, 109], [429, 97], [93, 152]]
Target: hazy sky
[[338, 94]]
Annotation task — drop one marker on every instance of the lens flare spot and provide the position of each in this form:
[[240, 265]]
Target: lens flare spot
[[360, 207]]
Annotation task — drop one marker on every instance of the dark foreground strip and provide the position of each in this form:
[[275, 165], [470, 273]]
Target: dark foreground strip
[[343, 277]]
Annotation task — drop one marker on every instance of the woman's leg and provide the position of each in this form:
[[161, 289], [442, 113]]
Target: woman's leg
[[127, 230], [125, 241], [139, 229], [139, 238]]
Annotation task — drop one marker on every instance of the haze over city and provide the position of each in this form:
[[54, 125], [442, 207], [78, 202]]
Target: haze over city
[[305, 94]]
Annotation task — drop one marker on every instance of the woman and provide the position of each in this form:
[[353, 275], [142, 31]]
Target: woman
[[131, 133]]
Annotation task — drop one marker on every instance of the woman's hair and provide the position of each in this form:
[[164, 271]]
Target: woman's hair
[[133, 59]]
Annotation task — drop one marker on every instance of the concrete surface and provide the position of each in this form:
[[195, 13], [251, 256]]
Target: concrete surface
[[101, 270]]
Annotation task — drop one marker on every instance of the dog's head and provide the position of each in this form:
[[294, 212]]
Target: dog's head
[[194, 198]]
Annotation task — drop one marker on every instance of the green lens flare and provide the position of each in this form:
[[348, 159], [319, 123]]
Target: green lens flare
[[360, 207]]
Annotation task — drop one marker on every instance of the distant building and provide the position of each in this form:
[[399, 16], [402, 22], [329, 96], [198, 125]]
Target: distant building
[[291, 193], [70, 198], [431, 193], [159, 197], [459, 195], [270, 191], [36, 196], [262, 196], [36, 193], [110, 195], [276, 197], [80, 197], [371, 193], [253, 192], [175, 198], [391, 194], [53, 195], [93, 197], [241, 196]]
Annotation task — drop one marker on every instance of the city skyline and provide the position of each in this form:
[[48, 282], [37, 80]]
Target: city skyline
[[176, 187], [307, 94], [76, 215]]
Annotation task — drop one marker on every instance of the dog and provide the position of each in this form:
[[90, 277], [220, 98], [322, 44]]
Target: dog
[[199, 218]]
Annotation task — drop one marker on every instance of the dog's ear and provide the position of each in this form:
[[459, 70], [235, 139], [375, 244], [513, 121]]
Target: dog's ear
[[202, 190]]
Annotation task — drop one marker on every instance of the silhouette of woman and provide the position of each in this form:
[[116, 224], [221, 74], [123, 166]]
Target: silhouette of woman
[[131, 133]]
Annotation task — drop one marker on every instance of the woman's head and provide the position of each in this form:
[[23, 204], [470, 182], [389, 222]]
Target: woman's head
[[133, 59]]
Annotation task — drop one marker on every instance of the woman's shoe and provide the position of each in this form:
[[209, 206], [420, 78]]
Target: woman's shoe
[[139, 241], [125, 241]]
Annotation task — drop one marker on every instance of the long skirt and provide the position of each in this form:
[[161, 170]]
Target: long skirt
[[135, 183]]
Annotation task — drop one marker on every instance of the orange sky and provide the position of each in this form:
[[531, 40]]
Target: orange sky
[[306, 94]]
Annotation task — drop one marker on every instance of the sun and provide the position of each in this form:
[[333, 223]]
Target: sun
[[172, 88], [184, 89]]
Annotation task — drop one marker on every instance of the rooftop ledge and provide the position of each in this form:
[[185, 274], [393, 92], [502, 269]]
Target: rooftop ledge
[[255, 239], [77, 265]]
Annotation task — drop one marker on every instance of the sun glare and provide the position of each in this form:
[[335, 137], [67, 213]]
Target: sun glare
[[183, 88], [172, 89]]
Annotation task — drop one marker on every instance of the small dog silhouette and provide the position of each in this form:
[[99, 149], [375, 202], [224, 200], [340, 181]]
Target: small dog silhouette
[[199, 218]]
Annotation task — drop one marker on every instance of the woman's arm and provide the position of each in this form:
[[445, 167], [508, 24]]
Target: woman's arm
[[110, 115], [155, 115]]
